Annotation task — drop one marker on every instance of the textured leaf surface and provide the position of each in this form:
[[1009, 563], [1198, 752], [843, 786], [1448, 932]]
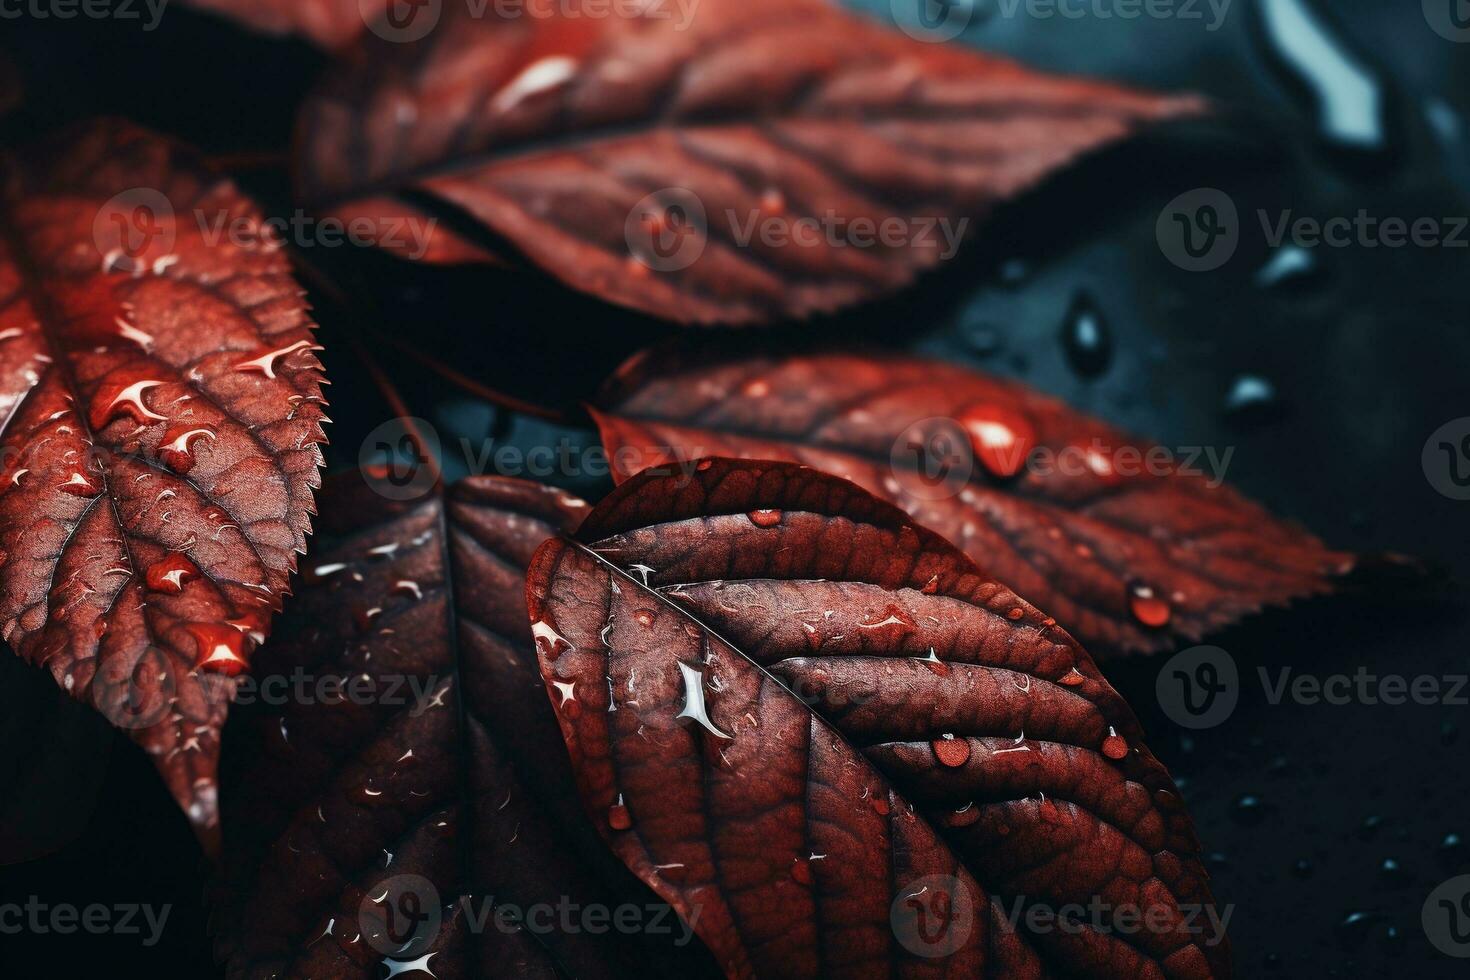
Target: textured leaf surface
[[661, 633], [549, 130], [162, 414], [446, 765], [1127, 557]]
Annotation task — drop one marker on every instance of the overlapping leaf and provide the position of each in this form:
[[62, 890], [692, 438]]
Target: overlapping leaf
[[436, 757], [705, 162], [162, 413], [1131, 551], [662, 630]]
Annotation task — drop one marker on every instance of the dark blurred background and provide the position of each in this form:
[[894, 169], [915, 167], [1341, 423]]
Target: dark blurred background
[[1326, 369]]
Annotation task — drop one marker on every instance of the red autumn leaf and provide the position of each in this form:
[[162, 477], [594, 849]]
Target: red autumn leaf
[[632, 156], [160, 447], [1057, 505], [328, 23], [662, 632], [443, 762]]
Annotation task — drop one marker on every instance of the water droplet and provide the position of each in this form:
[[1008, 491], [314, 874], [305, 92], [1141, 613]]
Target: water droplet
[[765, 518], [1248, 810], [79, 485], [1303, 868], [1072, 678], [1252, 399], [1287, 264], [951, 751], [1370, 827], [1391, 873], [1000, 437], [1148, 608], [1115, 746], [695, 708], [1015, 613], [116, 398], [170, 574], [891, 616], [1351, 104], [1086, 338], [773, 201], [801, 870], [174, 451], [266, 363], [618, 817], [643, 617], [964, 816], [218, 648], [551, 643]]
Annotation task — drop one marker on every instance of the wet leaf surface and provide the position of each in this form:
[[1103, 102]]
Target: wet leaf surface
[[355, 822], [758, 668], [1130, 550], [162, 414], [708, 165]]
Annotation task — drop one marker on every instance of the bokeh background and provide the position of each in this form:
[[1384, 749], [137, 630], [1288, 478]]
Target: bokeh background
[[1326, 370]]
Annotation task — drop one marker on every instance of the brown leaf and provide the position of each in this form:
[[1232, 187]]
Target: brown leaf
[[162, 413], [445, 764], [593, 145], [1058, 505], [662, 632]]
